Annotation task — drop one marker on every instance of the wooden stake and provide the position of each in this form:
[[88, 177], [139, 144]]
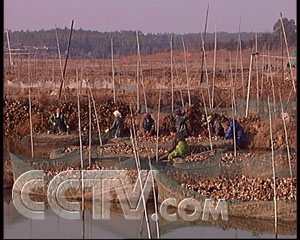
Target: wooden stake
[[273, 165], [286, 136], [214, 71], [59, 55], [9, 49]]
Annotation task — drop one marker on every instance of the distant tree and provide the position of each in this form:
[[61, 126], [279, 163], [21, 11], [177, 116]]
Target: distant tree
[[290, 29]]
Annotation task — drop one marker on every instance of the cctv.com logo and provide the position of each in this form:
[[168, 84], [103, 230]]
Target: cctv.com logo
[[132, 197]]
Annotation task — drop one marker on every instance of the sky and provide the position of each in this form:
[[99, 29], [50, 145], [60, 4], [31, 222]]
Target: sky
[[149, 16]]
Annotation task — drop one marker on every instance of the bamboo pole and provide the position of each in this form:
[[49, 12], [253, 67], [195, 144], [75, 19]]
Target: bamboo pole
[[30, 114], [66, 61], [90, 129], [81, 156], [272, 82], [286, 136], [203, 44], [210, 141], [288, 54], [157, 128], [241, 57], [172, 77], [233, 107], [97, 120], [155, 201], [186, 72], [249, 84], [9, 49], [141, 70], [206, 74], [112, 69], [257, 81], [214, 71], [262, 73], [59, 54], [138, 164], [273, 166]]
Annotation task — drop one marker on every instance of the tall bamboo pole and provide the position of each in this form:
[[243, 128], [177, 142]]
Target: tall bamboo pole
[[286, 136], [262, 72], [272, 82], [30, 115], [81, 156], [9, 49], [186, 72], [206, 74], [256, 68], [249, 84], [241, 57], [97, 120], [203, 44], [157, 128], [59, 54], [233, 107], [172, 77], [273, 166], [90, 129], [138, 164], [214, 71], [288, 54], [141, 70], [66, 61], [155, 201], [112, 69], [208, 128]]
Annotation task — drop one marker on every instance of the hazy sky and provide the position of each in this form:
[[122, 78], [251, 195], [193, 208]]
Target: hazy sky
[[178, 16]]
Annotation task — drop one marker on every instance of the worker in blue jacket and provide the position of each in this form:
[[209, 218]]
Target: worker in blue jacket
[[240, 135]]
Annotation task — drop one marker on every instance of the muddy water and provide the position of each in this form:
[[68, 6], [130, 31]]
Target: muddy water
[[53, 226]]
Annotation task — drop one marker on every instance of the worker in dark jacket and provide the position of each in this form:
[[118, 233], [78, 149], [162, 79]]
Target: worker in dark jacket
[[180, 121], [240, 136], [215, 126], [148, 125], [116, 130], [180, 147], [58, 122]]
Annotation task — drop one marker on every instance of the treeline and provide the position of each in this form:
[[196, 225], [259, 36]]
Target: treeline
[[94, 44]]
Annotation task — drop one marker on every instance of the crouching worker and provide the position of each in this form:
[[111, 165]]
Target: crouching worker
[[240, 136], [148, 125], [116, 130], [180, 146], [57, 119]]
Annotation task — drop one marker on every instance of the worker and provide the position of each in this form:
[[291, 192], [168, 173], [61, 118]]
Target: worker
[[58, 122], [215, 126], [180, 121], [148, 125], [116, 130], [241, 137], [180, 147]]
